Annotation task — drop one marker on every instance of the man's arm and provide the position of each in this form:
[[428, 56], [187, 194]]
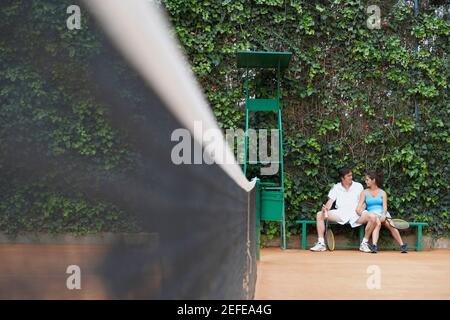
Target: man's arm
[[332, 196], [326, 207]]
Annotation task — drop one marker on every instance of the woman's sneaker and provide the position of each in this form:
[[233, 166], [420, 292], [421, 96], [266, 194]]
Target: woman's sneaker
[[319, 247], [374, 248], [364, 247], [404, 248]]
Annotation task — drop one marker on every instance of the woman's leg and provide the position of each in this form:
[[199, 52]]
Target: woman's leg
[[376, 232], [395, 233], [369, 219]]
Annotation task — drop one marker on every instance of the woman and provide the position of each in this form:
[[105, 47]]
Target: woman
[[375, 201]]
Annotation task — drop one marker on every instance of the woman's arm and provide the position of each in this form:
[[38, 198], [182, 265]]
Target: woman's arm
[[383, 217], [384, 203], [360, 207]]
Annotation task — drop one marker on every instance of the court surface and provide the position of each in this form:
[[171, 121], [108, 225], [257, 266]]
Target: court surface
[[39, 271], [289, 274], [344, 274]]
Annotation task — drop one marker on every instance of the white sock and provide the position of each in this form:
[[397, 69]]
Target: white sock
[[321, 240], [365, 240]]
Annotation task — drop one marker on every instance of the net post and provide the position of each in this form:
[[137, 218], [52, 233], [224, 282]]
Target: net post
[[258, 217], [246, 142]]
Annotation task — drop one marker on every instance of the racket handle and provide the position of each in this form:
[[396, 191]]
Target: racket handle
[[390, 222]]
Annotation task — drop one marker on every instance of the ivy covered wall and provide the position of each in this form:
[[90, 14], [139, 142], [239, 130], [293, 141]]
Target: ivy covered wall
[[351, 92], [54, 134]]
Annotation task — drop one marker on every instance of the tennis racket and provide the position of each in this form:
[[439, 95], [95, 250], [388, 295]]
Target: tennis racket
[[398, 223], [329, 236]]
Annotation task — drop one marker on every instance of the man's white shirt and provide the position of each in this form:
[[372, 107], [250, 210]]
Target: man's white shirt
[[346, 200]]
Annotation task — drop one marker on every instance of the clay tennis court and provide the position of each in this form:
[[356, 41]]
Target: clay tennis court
[[342, 274], [39, 272], [35, 271]]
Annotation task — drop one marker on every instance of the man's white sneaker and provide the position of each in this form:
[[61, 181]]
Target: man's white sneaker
[[364, 247], [318, 247]]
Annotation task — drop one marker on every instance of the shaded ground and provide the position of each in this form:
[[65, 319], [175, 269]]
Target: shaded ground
[[39, 271], [343, 274]]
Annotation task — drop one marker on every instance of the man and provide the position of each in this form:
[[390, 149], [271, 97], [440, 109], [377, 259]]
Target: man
[[346, 194]]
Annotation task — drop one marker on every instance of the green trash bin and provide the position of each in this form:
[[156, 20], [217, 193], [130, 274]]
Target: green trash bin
[[272, 202]]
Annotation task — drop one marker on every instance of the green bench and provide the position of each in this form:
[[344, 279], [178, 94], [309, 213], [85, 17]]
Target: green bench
[[418, 225]]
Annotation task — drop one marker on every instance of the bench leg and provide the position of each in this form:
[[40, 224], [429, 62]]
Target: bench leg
[[304, 236], [419, 238], [283, 234]]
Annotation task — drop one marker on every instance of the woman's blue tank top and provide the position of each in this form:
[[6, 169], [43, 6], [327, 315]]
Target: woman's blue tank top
[[374, 204]]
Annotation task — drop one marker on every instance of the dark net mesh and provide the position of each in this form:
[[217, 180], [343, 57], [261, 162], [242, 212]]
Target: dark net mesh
[[86, 168]]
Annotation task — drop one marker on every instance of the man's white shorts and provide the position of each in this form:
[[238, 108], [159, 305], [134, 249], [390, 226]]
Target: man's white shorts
[[346, 217]]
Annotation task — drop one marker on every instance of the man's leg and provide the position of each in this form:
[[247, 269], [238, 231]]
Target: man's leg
[[320, 219]]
